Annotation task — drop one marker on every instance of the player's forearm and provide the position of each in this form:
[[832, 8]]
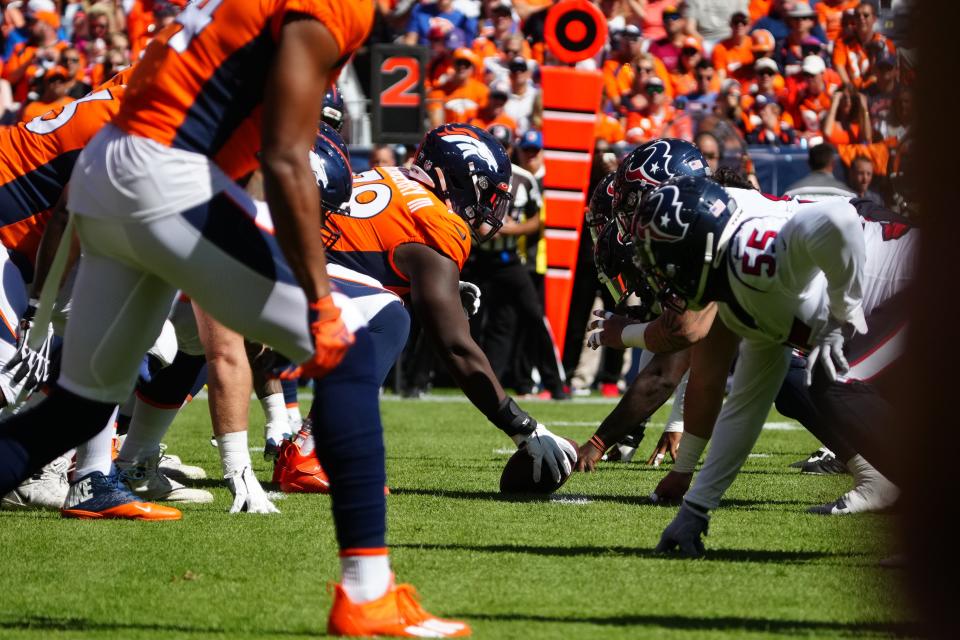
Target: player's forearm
[[471, 369], [295, 208], [49, 242], [651, 389], [672, 332]]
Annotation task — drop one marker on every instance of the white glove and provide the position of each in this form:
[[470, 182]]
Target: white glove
[[469, 298], [544, 446], [248, 495], [28, 368], [684, 533], [828, 350]]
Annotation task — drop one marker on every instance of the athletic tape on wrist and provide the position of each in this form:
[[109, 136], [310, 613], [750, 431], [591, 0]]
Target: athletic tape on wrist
[[689, 452], [632, 335], [513, 420]]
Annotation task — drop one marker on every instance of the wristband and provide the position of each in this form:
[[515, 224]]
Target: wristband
[[597, 442], [688, 453], [513, 420], [632, 335]]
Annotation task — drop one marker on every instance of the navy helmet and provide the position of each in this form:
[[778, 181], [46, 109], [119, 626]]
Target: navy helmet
[[468, 168], [648, 166], [681, 232], [600, 208], [330, 162], [334, 112]]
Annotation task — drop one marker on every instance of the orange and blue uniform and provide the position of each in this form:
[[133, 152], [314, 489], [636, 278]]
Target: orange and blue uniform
[[199, 86], [36, 159], [389, 209]]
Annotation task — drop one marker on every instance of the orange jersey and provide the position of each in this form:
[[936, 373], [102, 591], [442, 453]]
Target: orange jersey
[[734, 59], [460, 104], [830, 17], [852, 57], [202, 78], [36, 160], [389, 209]]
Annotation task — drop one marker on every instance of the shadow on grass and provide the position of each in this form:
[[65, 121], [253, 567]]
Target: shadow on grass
[[53, 623], [496, 496], [713, 555], [695, 623]]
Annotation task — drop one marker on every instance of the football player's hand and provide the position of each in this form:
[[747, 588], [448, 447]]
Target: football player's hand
[[672, 488], [248, 495], [469, 298], [590, 455], [607, 330], [828, 351], [669, 443], [548, 448], [684, 533], [331, 339]]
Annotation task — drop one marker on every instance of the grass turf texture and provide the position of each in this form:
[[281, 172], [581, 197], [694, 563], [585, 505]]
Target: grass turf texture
[[578, 568]]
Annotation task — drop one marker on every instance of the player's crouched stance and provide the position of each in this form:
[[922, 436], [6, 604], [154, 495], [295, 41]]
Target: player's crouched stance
[[787, 275]]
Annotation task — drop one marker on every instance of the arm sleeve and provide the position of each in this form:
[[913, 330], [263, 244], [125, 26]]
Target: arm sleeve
[[756, 381], [828, 236]]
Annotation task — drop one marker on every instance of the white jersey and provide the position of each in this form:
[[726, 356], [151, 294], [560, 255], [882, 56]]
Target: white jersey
[[792, 265]]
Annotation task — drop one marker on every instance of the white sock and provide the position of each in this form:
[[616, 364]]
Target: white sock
[[147, 427], [234, 452], [365, 578], [293, 417], [871, 491], [275, 410], [96, 454]]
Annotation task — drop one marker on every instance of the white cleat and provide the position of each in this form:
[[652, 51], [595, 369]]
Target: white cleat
[[872, 492], [147, 481], [172, 467], [46, 489]]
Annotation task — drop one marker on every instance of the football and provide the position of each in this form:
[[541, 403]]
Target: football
[[517, 476]]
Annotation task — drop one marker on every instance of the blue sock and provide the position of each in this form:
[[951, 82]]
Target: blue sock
[[33, 438], [289, 391], [349, 442]]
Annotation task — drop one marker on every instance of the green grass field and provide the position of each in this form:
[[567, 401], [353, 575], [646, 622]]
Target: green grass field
[[580, 566]]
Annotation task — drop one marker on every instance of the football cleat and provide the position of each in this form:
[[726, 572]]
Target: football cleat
[[825, 466], [609, 390], [396, 614], [172, 467], [145, 479], [271, 449], [96, 496], [298, 473], [813, 457], [46, 489]]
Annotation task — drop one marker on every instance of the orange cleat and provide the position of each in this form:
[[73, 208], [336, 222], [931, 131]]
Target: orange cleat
[[298, 473], [96, 497], [397, 614]]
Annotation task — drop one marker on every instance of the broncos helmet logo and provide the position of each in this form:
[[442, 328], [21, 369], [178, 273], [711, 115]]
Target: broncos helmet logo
[[472, 147], [319, 171], [651, 167], [666, 225]]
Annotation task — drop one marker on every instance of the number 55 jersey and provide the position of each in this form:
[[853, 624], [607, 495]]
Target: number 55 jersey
[[792, 265]]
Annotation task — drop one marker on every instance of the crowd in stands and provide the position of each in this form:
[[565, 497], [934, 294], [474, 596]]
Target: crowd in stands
[[754, 72]]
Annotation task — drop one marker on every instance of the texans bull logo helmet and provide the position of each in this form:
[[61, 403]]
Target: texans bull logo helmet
[[680, 232], [647, 167]]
